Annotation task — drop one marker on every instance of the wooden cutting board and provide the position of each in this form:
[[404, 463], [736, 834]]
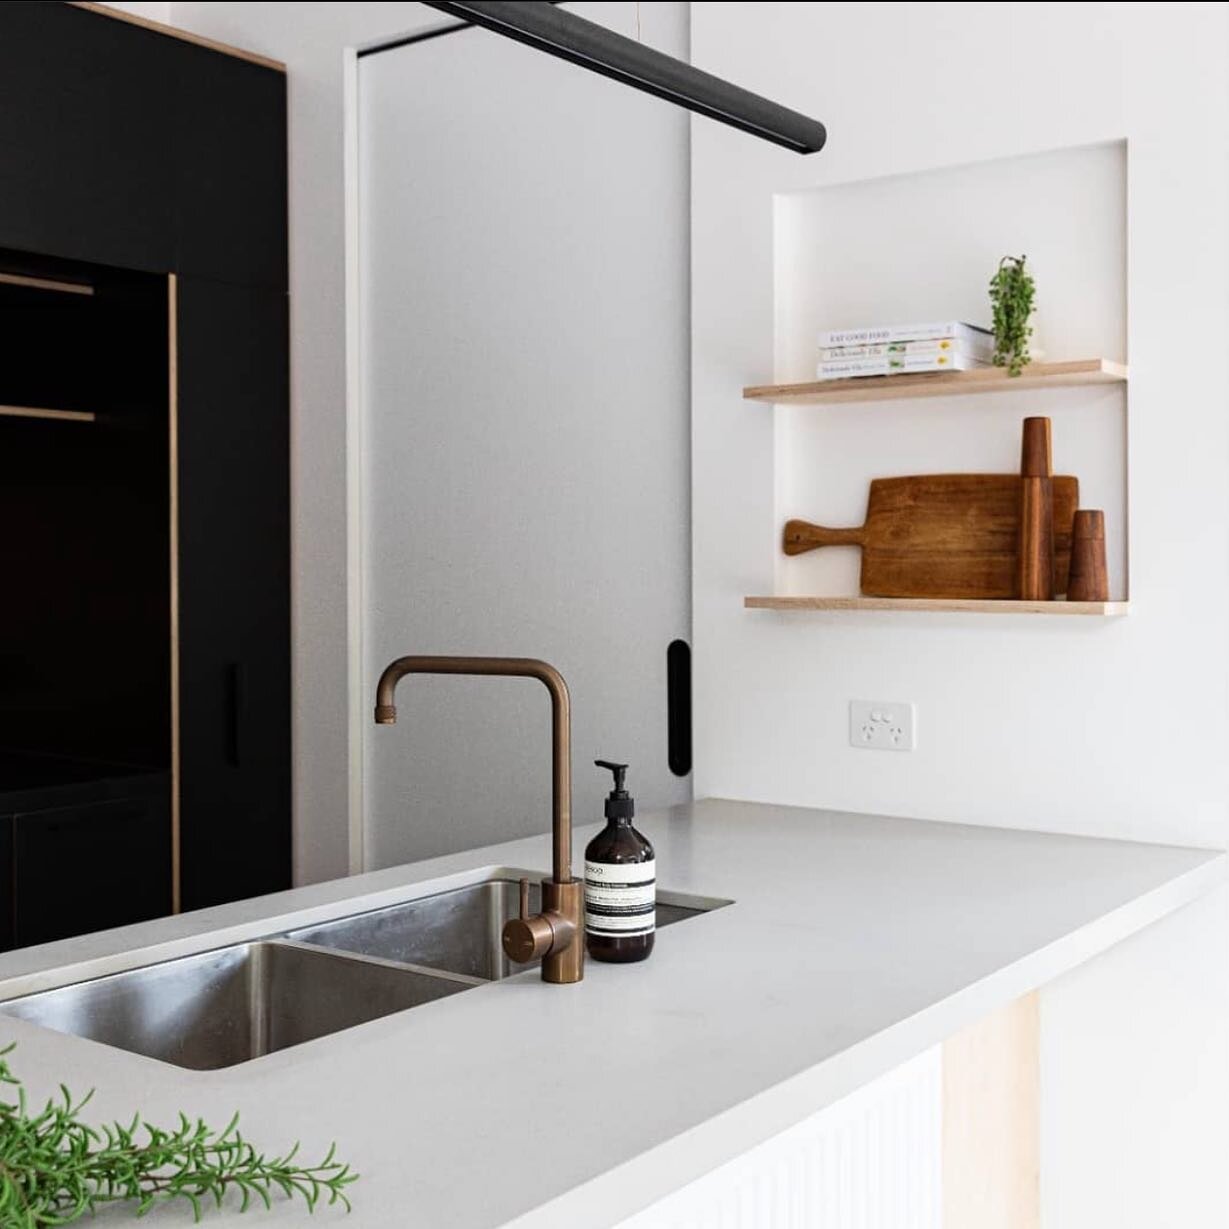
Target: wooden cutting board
[[944, 535]]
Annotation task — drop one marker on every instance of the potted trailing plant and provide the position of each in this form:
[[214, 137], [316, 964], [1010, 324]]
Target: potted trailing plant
[[1012, 295]]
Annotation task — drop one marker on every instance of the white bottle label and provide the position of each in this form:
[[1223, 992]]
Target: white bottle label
[[620, 899]]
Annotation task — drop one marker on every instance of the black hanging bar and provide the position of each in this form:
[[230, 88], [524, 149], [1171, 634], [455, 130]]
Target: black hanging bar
[[554, 30]]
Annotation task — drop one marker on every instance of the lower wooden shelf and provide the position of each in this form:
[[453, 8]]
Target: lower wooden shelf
[[939, 605]]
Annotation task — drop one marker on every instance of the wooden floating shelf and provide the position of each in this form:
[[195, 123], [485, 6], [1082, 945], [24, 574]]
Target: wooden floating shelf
[[942, 383], [29, 411], [953, 605]]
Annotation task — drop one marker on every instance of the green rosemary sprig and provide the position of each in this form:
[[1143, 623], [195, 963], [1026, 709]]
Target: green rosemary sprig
[[54, 1168], [1012, 292]]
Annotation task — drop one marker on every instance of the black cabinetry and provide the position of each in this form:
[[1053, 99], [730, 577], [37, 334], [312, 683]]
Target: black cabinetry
[[84, 856], [84, 134], [234, 586], [124, 146], [7, 882], [85, 636], [147, 619], [230, 169]]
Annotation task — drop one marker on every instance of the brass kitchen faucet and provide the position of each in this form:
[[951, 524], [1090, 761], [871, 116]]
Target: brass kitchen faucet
[[556, 934]]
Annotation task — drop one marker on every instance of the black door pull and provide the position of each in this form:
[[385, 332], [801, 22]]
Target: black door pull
[[236, 705], [678, 702]]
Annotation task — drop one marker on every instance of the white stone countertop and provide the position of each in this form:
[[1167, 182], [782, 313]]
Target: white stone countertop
[[854, 943]]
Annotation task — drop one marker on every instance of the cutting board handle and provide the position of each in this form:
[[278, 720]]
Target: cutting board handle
[[802, 536]]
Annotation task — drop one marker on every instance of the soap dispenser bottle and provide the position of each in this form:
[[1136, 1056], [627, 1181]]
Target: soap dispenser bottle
[[620, 882]]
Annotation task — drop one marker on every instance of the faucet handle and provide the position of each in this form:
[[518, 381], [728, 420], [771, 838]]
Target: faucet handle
[[530, 936]]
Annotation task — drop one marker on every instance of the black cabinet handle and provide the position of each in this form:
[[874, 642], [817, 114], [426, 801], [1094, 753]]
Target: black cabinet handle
[[678, 701], [236, 706]]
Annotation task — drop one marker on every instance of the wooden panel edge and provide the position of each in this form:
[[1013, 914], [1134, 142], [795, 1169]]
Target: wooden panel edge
[[185, 36], [992, 1121], [172, 345], [46, 283], [34, 411]]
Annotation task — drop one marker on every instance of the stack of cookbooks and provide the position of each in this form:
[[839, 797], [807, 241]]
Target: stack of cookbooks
[[899, 349]]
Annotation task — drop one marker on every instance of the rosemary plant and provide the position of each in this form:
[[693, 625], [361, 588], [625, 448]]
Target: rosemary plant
[[54, 1168], [1012, 291]]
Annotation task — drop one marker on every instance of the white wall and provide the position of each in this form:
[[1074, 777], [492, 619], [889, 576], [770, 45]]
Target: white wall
[[1073, 725], [1125, 73], [524, 367]]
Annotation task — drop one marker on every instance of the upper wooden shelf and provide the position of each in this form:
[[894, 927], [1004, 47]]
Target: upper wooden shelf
[[943, 383]]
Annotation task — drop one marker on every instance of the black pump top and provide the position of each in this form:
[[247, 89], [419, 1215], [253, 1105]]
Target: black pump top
[[619, 803]]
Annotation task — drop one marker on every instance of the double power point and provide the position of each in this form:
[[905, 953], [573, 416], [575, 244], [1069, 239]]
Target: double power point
[[882, 725]]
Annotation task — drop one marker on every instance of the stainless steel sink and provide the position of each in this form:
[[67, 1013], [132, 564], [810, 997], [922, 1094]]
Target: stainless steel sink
[[234, 1004], [459, 930]]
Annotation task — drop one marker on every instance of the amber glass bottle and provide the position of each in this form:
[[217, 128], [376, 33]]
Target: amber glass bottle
[[620, 882]]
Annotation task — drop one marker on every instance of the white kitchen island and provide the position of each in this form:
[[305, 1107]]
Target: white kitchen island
[[855, 945]]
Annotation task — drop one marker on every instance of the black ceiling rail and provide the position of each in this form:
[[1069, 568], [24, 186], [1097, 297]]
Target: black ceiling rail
[[557, 32]]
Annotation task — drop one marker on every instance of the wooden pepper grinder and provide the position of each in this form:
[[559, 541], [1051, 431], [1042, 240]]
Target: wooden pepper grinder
[[1089, 575], [1036, 513]]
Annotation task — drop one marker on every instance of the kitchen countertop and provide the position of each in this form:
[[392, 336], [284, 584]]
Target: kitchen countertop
[[854, 943]]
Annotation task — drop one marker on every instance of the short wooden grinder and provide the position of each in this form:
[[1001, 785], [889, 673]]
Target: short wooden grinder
[[1089, 575]]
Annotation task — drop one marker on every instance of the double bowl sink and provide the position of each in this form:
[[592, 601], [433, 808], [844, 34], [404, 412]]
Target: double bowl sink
[[236, 1003]]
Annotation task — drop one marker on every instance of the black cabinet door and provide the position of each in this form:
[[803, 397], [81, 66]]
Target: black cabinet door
[[230, 158], [6, 882], [124, 146], [88, 867], [234, 592], [85, 125]]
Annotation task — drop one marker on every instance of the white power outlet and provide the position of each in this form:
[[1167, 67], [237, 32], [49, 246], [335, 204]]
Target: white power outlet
[[882, 725]]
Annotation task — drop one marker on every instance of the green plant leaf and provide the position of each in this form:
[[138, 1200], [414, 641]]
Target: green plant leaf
[[56, 1169], [1012, 298]]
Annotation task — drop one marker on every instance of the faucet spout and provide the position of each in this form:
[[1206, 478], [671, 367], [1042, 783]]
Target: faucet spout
[[557, 933]]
